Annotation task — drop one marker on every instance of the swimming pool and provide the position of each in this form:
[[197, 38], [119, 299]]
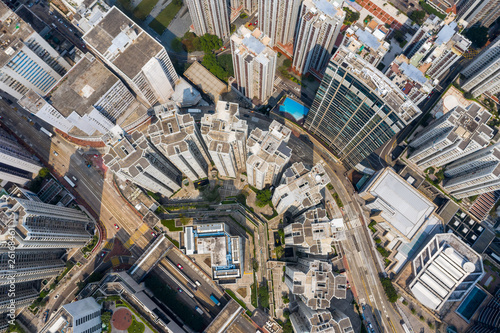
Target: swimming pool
[[471, 303], [293, 108]]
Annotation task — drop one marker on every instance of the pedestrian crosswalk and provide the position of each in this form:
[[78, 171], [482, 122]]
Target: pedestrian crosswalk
[[109, 245], [277, 81], [136, 235]]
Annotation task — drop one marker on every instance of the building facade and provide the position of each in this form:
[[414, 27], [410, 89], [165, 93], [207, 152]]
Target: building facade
[[306, 320], [300, 188], [278, 19], [179, 139], [483, 73], [484, 12], [136, 57], [17, 165], [454, 135], [475, 173], [254, 63], [319, 25], [268, 154], [27, 61], [225, 138], [138, 160], [211, 16], [42, 226], [357, 108], [82, 316]]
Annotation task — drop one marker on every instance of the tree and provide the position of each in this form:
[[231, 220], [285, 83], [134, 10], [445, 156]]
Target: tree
[[389, 289], [478, 35], [287, 63], [210, 42], [183, 219], [417, 16], [176, 45], [44, 172], [263, 295], [263, 198], [255, 265], [285, 299]]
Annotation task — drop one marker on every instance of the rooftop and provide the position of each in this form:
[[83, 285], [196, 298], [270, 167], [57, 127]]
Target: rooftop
[[121, 41], [401, 205], [205, 80]]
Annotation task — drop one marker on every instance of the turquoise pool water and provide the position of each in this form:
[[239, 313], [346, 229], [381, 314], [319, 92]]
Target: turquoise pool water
[[295, 109], [471, 303]]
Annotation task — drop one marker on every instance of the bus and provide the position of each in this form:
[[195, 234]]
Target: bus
[[46, 132], [69, 181], [215, 300]]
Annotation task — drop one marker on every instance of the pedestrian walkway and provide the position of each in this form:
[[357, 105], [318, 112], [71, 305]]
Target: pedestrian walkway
[[136, 235]]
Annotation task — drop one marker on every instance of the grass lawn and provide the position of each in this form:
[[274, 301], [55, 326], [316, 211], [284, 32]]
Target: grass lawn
[[161, 22], [143, 9], [136, 327], [170, 224]]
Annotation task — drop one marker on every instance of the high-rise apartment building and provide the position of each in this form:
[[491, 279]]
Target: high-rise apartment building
[[26, 293], [484, 12], [319, 25], [88, 101], [454, 135], [278, 19], [483, 73], [17, 165], [31, 265], [370, 45], [306, 320], [475, 173], [254, 63], [225, 137], [445, 270], [134, 55], [42, 226], [300, 188], [314, 282], [313, 232], [430, 27], [179, 139], [268, 154], [357, 108], [82, 316], [447, 49], [27, 61], [210, 16], [138, 160]]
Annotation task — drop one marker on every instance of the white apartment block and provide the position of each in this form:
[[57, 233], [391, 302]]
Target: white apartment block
[[138, 160], [430, 27], [445, 270], [409, 79], [475, 173], [454, 135], [484, 12], [483, 73], [300, 188], [445, 50], [319, 25], [42, 226], [225, 137], [179, 139], [27, 61], [134, 55], [306, 320], [88, 101], [16, 164], [313, 232], [254, 63], [82, 316], [278, 19], [32, 265], [268, 154], [314, 282], [210, 17]]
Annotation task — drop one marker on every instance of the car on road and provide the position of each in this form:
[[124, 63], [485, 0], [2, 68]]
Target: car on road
[[153, 234], [56, 296], [1, 117], [116, 226], [55, 153], [180, 266], [96, 156], [103, 253], [179, 290], [246, 116]]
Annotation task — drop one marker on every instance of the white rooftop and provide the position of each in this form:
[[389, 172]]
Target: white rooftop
[[403, 206]]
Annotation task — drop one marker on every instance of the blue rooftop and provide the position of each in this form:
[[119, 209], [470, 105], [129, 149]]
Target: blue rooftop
[[253, 44], [368, 39], [326, 7]]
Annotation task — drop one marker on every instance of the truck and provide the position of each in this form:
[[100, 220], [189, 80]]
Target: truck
[[43, 130], [197, 283], [194, 111], [200, 311], [215, 300], [69, 181]]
